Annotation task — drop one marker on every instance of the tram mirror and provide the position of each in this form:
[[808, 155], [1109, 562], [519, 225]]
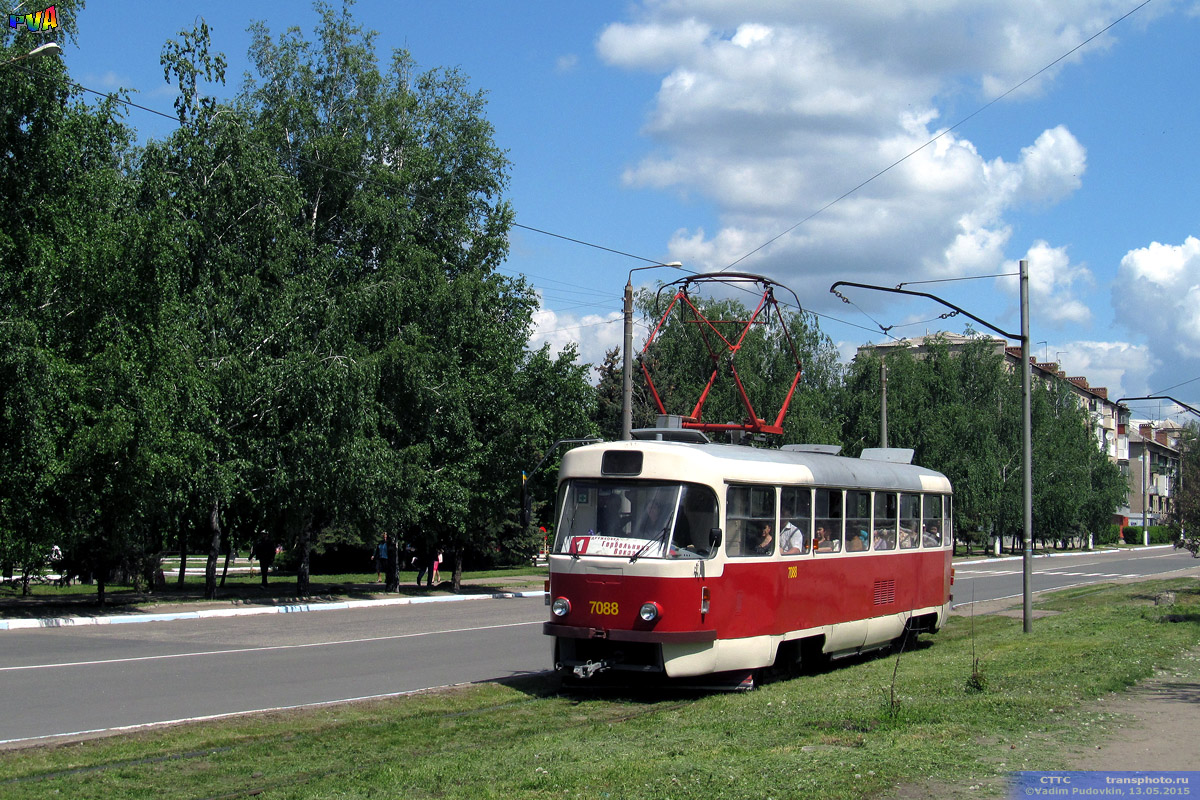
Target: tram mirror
[[714, 538]]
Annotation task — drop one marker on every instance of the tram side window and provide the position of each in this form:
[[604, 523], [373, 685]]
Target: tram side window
[[827, 512], [932, 527], [858, 521], [795, 519], [750, 518], [885, 521], [910, 520]]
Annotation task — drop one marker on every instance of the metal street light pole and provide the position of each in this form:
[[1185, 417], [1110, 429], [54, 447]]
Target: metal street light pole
[[627, 350], [1027, 449], [1026, 409]]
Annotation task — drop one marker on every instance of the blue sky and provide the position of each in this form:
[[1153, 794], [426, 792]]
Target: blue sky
[[696, 130]]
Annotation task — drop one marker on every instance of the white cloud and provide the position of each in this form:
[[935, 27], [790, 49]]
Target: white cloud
[[592, 334], [651, 45], [1157, 293], [1053, 281], [1123, 368], [771, 110], [1053, 165], [566, 63]]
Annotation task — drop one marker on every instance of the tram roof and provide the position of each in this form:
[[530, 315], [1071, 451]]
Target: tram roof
[[741, 463]]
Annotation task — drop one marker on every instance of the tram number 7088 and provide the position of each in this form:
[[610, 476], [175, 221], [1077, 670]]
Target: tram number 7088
[[604, 609]]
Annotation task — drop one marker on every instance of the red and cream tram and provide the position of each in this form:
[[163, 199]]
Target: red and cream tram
[[688, 558]]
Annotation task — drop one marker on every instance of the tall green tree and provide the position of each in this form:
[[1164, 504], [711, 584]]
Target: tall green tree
[[406, 348], [1185, 510], [81, 397], [948, 397]]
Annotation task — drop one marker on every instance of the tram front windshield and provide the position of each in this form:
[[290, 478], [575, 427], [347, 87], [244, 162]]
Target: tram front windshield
[[643, 519]]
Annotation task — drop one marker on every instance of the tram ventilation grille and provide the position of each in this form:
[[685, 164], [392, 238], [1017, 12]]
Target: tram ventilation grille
[[885, 592]]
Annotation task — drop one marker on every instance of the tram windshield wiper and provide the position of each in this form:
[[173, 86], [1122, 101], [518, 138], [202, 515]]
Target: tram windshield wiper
[[661, 539]]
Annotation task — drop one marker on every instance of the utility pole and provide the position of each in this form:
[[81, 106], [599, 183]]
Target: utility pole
[[883, 404], [1145, 492], [1027, 447]]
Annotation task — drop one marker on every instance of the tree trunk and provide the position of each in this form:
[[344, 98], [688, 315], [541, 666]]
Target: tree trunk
[[183, 554], [457, 582], [264, 552], [393, 566], [304, 543], [214, 550], [228, 558]]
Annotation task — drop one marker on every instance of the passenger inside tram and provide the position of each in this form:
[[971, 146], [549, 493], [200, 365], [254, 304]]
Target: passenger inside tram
[[791, 540], [761, 543], [825, 541]]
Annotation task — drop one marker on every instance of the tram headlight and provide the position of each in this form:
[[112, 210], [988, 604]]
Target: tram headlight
[[650, 611], [560, 607]]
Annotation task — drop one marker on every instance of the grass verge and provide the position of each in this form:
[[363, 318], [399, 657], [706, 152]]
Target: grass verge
[[50, 600], [845, 733]]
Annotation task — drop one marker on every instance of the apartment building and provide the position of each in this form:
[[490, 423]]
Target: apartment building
[[1153, 471]]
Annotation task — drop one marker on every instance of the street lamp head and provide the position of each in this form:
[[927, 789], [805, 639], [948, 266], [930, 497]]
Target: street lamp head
[[675, 264], [47, 49]]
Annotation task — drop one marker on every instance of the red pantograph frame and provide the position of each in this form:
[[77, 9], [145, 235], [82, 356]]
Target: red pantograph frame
[[708, 329]]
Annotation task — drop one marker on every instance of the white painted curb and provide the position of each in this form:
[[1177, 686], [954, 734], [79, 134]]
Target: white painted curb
[[1097, 552], [244, 611]]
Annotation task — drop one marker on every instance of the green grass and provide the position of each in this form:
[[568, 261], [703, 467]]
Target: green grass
[[837, 734]]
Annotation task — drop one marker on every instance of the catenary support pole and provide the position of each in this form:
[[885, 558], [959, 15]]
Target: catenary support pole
[[883, 404], [1027, 447]]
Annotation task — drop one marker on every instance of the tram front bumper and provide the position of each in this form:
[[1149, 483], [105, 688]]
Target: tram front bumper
[[619, 635]]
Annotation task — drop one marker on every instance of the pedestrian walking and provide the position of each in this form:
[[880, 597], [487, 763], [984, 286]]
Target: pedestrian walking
[[381, 556], [435, 569]]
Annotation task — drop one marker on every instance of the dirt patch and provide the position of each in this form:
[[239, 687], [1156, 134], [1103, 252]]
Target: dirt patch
[[1160, 725]]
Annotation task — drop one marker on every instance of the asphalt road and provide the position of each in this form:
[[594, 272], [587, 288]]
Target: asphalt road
[[1001, 579], [59, 681], [64, 681]]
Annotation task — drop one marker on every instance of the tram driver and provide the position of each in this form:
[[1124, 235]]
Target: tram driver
[[655, 520]]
